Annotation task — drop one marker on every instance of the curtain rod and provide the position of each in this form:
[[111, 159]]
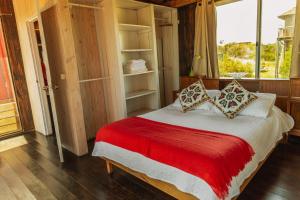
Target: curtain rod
[[5, 14], [85, 6]]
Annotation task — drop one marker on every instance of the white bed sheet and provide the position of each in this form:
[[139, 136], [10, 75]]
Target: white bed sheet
[[261, 134]]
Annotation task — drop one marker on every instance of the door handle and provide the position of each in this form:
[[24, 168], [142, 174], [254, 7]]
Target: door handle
[[54, 87], [46, 88]]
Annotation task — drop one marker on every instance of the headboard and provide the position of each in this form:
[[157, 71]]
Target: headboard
[[287, 91], [279, 87]]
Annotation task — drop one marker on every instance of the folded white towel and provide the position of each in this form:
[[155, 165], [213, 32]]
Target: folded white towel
[[139, 61], [135, 66]]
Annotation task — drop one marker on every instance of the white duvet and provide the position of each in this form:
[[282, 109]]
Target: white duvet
[[261, 134]]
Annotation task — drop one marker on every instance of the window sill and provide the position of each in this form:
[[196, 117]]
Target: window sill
[[275, 79]]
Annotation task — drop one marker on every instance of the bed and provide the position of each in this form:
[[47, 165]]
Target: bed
[[261, 134]]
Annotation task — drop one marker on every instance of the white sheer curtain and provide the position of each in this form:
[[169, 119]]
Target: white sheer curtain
[[295, 67], [205, 62]]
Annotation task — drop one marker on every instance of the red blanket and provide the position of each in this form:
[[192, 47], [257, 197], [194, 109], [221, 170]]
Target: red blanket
[[213, 157]]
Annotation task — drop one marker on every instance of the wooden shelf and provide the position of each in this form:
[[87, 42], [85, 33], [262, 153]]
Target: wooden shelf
[[132, 5], [147, 72], [135, 50], [133, 27], [139, 112], [139, 93]]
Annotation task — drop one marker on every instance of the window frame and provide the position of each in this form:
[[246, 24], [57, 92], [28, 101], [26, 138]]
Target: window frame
[[258, 39], [258, 36]]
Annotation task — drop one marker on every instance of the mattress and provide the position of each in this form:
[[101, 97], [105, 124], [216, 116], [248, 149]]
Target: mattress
[[261, 134]]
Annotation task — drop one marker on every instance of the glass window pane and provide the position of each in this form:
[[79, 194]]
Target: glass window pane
[[278, 21], [236, 37]]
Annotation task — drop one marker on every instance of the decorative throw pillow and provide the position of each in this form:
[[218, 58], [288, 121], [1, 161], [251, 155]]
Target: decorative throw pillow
[[204, 106], [192, 96], [233, 99]]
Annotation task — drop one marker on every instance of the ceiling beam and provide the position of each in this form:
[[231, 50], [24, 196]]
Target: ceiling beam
[[180, 3]]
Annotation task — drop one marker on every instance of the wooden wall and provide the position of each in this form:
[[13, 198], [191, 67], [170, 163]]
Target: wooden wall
[[26, 10], [186, 29], [16, 64]]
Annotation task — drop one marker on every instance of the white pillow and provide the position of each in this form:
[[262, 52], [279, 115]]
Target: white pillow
[[213, 93], [204, 106], [260, 107]]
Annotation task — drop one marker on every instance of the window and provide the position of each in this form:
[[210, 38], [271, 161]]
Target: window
[[278, 21], [236, 37], [238, 33]]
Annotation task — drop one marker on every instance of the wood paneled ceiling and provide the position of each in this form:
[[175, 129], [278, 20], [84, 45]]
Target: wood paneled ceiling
[[171, 3], [177, 3]]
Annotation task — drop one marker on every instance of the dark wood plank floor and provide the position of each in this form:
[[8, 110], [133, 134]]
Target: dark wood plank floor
[[32, 171]]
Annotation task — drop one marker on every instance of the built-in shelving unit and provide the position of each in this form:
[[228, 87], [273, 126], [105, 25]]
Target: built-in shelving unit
[[139, 93], [136, 31]]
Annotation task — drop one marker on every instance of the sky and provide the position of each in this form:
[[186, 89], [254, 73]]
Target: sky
[[237, 21]]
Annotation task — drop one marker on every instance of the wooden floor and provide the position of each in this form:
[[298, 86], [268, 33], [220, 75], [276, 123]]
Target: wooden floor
[[33, 171]]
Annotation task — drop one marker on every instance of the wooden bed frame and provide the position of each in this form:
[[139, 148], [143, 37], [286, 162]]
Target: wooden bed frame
[[277, 87], [171, 189]]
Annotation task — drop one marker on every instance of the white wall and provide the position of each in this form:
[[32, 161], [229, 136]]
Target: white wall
[[24, 11]]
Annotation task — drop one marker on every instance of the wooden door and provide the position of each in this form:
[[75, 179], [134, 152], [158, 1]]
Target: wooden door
[[53, 57], [37, 49]]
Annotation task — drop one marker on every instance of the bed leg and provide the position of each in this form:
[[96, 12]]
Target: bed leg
[[285, 138], [109, 167]]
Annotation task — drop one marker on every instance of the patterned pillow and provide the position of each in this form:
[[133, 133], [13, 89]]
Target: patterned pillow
[[192, 96], [233, 99]]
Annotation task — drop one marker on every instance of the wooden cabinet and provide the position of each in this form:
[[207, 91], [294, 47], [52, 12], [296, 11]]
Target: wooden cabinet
[[294, 111], [294, 105], [94, 76]]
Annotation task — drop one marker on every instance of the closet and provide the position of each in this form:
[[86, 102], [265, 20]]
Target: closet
[[98, 44], [94, 73], [166, 26], [109, 36]]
